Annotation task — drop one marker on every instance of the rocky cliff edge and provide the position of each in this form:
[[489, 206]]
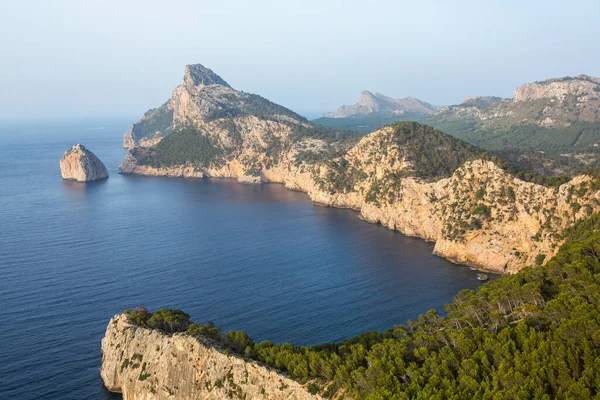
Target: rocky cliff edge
[[145, 364]]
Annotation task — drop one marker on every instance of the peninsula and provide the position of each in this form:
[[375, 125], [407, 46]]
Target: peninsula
[[406, 176]]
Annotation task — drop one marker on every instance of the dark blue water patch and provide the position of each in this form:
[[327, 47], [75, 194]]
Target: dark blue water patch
[[257, 258]]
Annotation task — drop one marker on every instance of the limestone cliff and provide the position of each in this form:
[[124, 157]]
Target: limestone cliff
[[80, 164], [407, 176], [145, 364]]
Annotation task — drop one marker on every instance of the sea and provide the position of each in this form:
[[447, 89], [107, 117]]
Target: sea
[[259, 258]]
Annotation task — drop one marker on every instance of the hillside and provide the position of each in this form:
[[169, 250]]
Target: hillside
[[553, 103], [144, 357], [559, 117], [529, 335]]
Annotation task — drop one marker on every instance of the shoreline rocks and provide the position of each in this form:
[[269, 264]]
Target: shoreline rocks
[[81, 165]]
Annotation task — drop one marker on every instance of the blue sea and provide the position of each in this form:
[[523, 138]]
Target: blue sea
[[258, 258]]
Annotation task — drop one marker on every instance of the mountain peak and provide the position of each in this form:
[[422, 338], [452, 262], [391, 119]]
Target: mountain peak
[[197, 74], [373, 102], [560, 88]]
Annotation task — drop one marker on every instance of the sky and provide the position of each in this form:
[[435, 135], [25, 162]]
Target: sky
[[79, 58]]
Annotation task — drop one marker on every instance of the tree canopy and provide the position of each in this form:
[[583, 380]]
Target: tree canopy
[[535, 334]]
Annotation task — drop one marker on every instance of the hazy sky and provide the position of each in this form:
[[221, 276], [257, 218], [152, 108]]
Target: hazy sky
[[94, 58]]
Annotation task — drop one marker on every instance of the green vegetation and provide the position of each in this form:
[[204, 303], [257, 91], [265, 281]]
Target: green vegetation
[[165, 320], [578, 135], [535, 334], [159, 121], [341, 177], [241, 104], [186, 145], [528, 146], [369, 122], [329, 134], [433, 154], [520, 144]]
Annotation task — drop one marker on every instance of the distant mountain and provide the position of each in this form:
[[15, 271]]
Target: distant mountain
[[373, 102], [552, 126], [415, 179]]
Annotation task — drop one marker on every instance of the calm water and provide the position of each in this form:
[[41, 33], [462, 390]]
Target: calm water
[[257, 258]]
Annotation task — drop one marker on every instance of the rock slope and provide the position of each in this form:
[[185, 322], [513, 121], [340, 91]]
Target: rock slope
[[407, 176], [145, 364], [80, 164], [373, 102]]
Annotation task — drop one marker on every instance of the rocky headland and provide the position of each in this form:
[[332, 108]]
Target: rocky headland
[[81, 165], [373, 102], [408, 177]]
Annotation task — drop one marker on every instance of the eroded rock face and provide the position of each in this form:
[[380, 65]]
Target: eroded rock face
[[145, 364], [81, 165]]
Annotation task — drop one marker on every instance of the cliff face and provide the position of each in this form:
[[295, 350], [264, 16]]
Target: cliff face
[[477, 213], [145, 364], [80, 164]]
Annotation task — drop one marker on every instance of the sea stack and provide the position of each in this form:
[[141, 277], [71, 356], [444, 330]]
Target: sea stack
[[81, 165]]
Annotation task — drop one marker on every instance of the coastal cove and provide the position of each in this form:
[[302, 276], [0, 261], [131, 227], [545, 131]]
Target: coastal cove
[[260, 258]]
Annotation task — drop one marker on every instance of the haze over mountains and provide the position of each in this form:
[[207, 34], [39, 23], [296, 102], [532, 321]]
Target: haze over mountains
[[551, 126], [373, 102]]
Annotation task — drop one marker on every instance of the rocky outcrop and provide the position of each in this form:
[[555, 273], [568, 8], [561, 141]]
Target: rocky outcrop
[[479, 214], [80, 164], [202, 101], [558, 88], [557, 102], [145, 364], [377, 103]]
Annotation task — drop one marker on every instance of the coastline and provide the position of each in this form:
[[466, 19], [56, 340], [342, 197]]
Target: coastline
[[421, 223]]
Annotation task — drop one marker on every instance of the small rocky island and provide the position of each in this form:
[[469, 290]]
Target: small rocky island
[[81, 165]]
